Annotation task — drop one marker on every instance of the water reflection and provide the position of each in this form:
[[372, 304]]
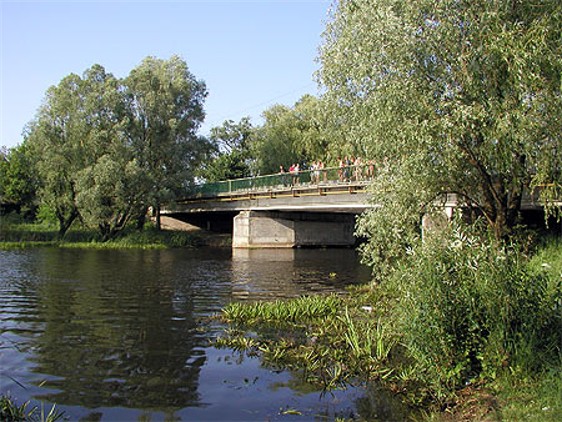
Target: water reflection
[[125, 334], [282, 273], [119, 329]]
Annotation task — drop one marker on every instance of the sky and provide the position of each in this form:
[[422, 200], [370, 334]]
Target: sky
[[251, 54]]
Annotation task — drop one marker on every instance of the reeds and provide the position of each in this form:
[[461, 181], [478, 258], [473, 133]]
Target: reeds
[[329, 341], [12, 412]]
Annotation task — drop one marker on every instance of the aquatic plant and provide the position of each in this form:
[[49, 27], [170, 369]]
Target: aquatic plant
[[322, 336], [11, 412], [300, 309]]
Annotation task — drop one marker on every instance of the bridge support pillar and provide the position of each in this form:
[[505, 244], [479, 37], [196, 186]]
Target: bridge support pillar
[[257, 229]]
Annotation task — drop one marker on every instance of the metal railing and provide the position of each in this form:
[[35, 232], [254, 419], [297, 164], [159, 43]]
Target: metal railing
[[328, 176]]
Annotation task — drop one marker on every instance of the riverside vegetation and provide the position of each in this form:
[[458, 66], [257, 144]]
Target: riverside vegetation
[[461, 329], [16, 234]]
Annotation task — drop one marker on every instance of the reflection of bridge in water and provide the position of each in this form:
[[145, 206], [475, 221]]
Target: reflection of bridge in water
[[287, 273], [285, 210]]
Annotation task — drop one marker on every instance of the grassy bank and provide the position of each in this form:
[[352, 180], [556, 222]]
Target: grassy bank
[[21, 236], [461, 331]]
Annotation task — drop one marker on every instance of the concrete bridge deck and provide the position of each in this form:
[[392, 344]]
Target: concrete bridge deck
[[351, 197], [267, 211]]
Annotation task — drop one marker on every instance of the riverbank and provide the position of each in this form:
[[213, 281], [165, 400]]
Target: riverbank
[[22, 235], [485, 347]]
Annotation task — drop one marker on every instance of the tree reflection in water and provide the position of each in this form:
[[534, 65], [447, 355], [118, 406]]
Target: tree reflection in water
[[121, 335]]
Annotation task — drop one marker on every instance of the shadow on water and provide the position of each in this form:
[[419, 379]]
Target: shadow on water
[[125, 335]]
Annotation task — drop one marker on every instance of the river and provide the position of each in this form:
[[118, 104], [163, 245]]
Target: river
[[126, 335]]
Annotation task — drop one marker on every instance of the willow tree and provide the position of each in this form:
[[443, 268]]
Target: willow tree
[[229, 155], [296, 134], [452, 96], [167, 107], [79, 129], [56, 137], [110, 186]]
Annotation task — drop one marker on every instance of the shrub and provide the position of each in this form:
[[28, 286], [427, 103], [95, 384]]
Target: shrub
[[467, 307]]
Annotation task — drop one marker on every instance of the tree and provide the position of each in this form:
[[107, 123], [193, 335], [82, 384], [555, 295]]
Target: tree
[[292, 135], [111, 188], [167, 105], [449, 97], [18, 182], [230, 155], [109, 193], [56, 137], [78, 134]]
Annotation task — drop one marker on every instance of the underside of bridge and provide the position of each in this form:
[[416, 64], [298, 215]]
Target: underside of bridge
[[219, 222], [271, 224], [278, 229]]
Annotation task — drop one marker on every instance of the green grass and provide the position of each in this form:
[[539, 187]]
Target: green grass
[[21, 236], [531, 397]]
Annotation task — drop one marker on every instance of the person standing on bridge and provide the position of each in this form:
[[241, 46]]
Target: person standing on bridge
[[341, 169], [283, 175], [294, 170]]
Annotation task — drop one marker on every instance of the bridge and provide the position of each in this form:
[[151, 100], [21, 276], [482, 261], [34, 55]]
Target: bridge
[[308, 208]]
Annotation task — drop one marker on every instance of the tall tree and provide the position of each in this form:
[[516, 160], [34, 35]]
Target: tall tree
[[230, 154], [167, 105], [78, 131], [452, 96], [18, 182], [292, 135], [57, 137], [111, 188]]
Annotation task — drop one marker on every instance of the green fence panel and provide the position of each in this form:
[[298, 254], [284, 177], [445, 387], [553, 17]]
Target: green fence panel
[[329, 175]]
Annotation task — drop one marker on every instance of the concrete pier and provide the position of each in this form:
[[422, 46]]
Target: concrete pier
[[261, 229]]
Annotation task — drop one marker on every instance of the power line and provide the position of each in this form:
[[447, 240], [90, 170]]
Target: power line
[[261, 104]]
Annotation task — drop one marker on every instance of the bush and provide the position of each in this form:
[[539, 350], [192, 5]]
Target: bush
[[467, 307]]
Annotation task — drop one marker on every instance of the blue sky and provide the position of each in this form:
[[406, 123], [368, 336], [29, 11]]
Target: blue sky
[[251, 54]]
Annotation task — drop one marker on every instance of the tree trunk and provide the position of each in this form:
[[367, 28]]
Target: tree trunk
[[141, 220], [158, 219], [65, 223]]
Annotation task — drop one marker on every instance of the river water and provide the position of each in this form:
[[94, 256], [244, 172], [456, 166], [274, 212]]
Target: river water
[[126, 335]]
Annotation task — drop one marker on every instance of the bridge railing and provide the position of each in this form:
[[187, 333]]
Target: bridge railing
[[288, 180]]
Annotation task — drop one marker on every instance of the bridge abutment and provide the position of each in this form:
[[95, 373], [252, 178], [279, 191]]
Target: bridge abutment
[[260, 229]]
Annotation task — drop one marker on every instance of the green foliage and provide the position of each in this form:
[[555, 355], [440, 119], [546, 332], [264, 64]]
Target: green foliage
[[166, 103], [470, 90], [18, 182], [323, 336], [297, 134], [46, 215], [109, 194], [301, 309], [230, 156], [11, 412], [466, 310], [81, 120], [105, 149], [394, 224]]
